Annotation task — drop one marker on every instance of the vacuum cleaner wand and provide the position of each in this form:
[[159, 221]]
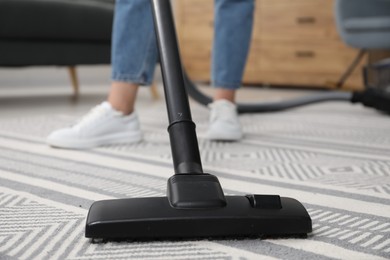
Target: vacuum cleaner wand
[[195, 206], [184, 144]]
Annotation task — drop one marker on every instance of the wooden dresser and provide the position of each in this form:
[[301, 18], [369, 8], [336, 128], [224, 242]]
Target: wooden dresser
[[295, 42]]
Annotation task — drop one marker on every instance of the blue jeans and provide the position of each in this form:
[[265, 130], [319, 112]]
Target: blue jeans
[[134, 49]]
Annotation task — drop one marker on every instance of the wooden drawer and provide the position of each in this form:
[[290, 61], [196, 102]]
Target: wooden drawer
[[320, 80], [287, 19], [196, 56], [196, 32], [307, 64], [296, 57], [196, 11], [195, 20]]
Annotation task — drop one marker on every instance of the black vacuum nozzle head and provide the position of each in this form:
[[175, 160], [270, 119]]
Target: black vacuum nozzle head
[[155, 219]]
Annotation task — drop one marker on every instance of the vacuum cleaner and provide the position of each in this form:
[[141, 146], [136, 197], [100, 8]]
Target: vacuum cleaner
[[195, 205]]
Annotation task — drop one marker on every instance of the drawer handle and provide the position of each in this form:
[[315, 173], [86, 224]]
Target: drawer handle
[[305, 54], [306, 20]]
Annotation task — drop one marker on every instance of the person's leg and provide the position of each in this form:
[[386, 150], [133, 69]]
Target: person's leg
[[122, 96], [225, 94], [233, 28], [134, 56], [134, 52]]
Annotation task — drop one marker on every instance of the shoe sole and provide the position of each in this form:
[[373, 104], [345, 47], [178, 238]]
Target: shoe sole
[[95, 142]]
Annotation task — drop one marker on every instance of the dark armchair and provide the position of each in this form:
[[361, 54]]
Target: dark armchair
[[55, 32]]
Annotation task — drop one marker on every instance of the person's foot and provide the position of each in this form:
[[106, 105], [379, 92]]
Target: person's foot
[[102, 125], [224, 123]]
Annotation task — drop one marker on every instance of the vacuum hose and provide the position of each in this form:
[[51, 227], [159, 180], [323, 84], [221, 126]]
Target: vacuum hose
[[373, 98]]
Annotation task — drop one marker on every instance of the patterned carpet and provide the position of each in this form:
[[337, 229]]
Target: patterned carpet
[[334, 158]]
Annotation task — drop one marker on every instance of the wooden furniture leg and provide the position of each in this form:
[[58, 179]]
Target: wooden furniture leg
[[74, 79]]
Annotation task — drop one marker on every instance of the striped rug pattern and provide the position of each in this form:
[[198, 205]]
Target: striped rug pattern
[[334, 158]]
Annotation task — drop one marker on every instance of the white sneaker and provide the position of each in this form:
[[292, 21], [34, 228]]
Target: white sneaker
[[224, 123], [102, 125]]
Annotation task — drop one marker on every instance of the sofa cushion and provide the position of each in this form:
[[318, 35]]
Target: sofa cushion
[[73, 20]]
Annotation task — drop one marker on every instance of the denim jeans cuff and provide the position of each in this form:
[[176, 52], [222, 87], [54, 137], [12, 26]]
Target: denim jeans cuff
[[225, 85], [139, 80]]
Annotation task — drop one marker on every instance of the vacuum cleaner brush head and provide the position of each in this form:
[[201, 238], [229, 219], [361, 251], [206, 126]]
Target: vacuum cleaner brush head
[[155, 218]]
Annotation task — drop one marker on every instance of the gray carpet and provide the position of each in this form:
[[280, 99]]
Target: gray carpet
[[333, 157]]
